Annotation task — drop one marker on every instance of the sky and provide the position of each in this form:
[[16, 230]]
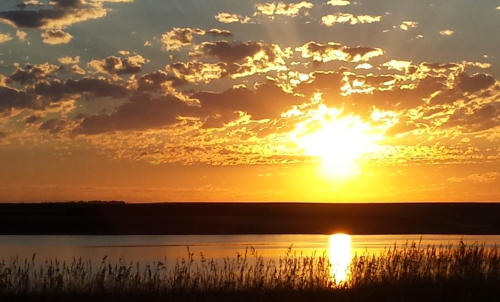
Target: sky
[[223, 100]]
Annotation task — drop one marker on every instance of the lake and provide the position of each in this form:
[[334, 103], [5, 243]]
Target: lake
[[339, 248], [153, 248]]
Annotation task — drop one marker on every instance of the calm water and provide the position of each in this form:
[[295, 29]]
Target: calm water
[[154, 248], [338, 248]]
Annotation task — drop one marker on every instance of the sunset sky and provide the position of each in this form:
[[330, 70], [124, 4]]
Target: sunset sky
[[224, 100]]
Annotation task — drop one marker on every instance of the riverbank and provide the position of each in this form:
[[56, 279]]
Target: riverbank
[[248, 218]]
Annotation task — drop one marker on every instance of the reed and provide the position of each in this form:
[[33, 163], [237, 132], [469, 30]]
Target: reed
[[400, 270]]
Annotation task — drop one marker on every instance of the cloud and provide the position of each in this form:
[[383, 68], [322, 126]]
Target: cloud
[[214, 32], [408, 24], [266, 102], [62, 14], [66, 60], [4, 38], [54, 125], [327, 83], [54, 37], [16, 99], [398, 65], [338, 2], [21, 35], [58, 89], [195, 72], [59, 18], [32, 73], [283, 9], [178, 38], [234, 52], [478, 64], [474, 83], [330, 20], [336, 52], [142, 112], [77, 70], [113, 65], [477, 178], [158, 81], [471, 120], [446, 32], [242, 58], [3, 80], [215, 109], [231, 18]]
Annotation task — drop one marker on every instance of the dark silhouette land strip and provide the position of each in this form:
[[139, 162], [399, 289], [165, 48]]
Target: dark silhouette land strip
[[248, 218]]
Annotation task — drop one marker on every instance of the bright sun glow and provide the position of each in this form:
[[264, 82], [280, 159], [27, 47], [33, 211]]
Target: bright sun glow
[[339, 143]]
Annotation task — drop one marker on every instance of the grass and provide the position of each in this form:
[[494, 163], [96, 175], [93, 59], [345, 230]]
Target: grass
[[407, 272]]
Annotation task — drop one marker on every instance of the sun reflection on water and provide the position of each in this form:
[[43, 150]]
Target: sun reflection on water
[[340, 256]]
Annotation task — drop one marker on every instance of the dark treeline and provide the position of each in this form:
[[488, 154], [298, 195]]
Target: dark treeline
[[117, 218]]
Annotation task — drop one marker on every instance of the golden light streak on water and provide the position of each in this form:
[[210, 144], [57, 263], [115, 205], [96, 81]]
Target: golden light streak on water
[[340, 252]]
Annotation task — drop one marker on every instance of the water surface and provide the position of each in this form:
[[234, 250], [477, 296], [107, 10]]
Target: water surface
[[154, 248]]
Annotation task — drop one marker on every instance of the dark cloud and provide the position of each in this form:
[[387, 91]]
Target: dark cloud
[[465, 84], [118, 66], [67, 3], [483, 118], [474, 83], [32, 19], [57, 89], [327, 83], [194, 72], [232, 52], [31, 119], [3, 135], [54, 125], [63, 13], [266, 102], [154, 81], [142, 112], [12, 98], [32, 73]]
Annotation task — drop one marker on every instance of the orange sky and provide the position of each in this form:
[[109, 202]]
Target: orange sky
[[328, 101]]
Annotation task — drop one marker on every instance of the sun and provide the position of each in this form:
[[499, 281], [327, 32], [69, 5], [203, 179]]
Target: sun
[[339, 143]]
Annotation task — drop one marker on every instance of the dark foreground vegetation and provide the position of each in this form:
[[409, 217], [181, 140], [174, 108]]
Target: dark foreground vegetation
[[404, 273], [117, 218]]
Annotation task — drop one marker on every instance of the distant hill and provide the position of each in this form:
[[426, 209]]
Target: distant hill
[[119, 218]]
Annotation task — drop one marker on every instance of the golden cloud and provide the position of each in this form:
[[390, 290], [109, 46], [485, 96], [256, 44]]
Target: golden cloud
[[21, 35], [338, 2], [281, 8], [178, 38], [408, 24], [336, 52], [4, 38], [446, 32], [54, 37], [69, 60], [231, 18], [330, 20]]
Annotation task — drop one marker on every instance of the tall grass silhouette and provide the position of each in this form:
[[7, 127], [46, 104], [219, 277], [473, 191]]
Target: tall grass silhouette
[[409, 267]]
